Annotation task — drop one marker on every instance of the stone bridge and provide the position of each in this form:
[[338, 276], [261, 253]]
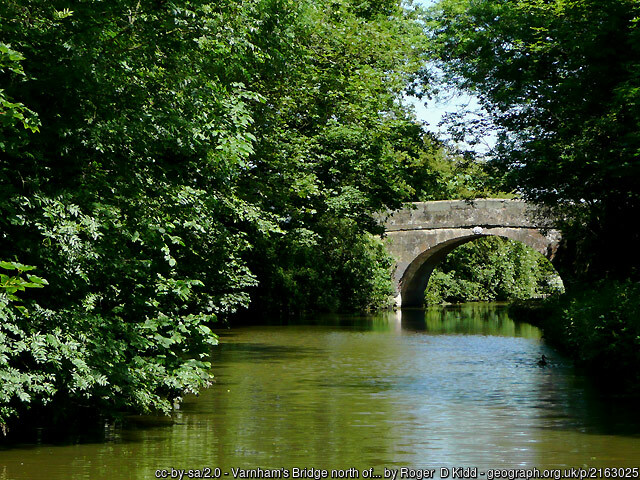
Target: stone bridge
[[421, 235]]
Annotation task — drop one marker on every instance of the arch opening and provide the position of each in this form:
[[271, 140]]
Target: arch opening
[[416, 276]]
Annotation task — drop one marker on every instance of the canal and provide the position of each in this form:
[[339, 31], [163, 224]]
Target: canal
[[446, 387]]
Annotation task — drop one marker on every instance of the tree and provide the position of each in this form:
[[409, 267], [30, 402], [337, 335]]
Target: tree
[[334, 146], [560, 80], [162, 165], [124, 199]]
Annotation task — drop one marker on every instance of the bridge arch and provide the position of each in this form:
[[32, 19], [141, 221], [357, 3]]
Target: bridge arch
[[421, 235]]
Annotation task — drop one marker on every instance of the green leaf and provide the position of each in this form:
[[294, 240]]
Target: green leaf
[[38, 280]]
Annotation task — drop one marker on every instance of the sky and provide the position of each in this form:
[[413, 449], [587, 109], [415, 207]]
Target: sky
[[434, 110]]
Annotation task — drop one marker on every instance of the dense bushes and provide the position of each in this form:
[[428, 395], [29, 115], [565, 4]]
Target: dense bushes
[[329, 270], [76, 362]]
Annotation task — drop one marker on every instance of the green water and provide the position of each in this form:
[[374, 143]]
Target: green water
[[446, 388]]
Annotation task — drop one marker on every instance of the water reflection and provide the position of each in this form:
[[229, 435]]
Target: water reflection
[[467, 319], [442, 387]]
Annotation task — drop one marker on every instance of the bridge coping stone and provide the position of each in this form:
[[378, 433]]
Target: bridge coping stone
[[488, 212]]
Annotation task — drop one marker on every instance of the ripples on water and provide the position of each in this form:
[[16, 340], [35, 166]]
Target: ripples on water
[[441, 388]]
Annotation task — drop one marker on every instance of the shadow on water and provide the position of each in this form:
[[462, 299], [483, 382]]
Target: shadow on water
[[354, 321], [262, 352], [87, 431]]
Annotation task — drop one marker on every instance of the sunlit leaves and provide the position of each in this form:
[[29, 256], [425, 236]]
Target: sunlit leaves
[[328, 150], [125, 199], [11, 112]]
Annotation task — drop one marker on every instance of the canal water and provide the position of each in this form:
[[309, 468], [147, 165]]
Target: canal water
[[442, 388]]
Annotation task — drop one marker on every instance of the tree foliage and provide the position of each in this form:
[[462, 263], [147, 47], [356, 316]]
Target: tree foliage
[[125, 188], [335, 145], [561, 81]]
